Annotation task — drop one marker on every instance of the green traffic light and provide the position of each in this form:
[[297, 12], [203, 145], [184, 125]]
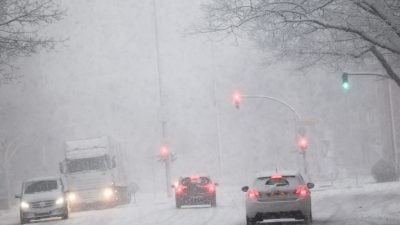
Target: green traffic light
[[345, 81], [346, 85]]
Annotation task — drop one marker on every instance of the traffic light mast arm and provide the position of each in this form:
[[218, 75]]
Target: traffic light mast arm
[[298, 117], [366, 74]]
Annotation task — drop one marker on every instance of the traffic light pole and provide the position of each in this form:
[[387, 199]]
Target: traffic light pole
[[168, 175], [237, 98], [305, 166], [393, 128], [298, 117]]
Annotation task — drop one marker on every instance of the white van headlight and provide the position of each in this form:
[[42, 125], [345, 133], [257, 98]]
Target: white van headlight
[[60, 201], [24, 205], [108, 192]]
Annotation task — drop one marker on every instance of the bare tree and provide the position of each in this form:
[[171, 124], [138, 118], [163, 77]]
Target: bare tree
[[333, 32], [21, 23], [8, 150]]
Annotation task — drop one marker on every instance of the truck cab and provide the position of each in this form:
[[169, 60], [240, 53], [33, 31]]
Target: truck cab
[[91, 174]]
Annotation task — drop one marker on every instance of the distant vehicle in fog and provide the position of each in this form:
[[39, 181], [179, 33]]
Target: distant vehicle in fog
[[42, 198], [278, 196], [94, 175], [195, 190]]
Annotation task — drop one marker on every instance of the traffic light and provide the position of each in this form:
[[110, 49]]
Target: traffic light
[[164, 152], [302, 143], [237, 99], [345, 82]]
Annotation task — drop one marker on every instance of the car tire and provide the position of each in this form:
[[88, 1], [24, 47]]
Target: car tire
[[24, 221], [65, 216], [178, 204], [128, 198], [214, 202], [308, 219], [250, 221], [123, 196]]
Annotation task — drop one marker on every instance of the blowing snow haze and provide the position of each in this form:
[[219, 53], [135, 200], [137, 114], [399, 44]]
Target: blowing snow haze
[[137, 73]]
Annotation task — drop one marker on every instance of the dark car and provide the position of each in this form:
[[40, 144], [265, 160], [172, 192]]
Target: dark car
[[195, 190]]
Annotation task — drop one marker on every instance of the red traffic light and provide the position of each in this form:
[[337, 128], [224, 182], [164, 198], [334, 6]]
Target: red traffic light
[[237, 98], [302, 142], [164, 151]]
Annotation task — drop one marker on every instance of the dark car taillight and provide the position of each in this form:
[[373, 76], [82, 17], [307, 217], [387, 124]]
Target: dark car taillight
[[302, 191], [253, 194], [210, 188], [180, 190]]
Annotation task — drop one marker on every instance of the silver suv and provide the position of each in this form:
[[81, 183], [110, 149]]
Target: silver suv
[[42, 198], [278, 196]]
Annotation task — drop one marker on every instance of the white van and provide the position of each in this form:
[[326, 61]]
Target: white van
[[42, 198]]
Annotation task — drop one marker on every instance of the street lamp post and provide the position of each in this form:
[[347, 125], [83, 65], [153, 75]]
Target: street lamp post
[[302, 141]]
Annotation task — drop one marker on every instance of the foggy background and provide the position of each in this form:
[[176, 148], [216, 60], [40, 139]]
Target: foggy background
[[104, 80]]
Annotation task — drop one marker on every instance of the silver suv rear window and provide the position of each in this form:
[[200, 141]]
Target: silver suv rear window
[[291, 181]]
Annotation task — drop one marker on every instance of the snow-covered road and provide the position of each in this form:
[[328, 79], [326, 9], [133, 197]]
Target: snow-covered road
[[373, 204]]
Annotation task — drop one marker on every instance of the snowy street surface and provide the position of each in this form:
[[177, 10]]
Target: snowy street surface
[[373, 204]]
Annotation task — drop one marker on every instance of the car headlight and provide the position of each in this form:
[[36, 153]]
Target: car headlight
[[108, 192], [71, 196], [60, 201], [24, 205]]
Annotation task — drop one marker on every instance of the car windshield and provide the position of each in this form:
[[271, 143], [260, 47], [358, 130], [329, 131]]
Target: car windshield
[[195, 180], [86, 164], [291, 181], [40, 186]]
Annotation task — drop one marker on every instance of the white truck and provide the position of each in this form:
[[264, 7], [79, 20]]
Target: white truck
[[94, 174]]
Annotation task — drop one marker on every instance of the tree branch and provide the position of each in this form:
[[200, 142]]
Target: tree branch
[[359, 33], [386, 65]]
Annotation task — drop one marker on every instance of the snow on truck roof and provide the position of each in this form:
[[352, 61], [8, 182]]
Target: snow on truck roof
[[86, 148], [75, 145], [86, 153]]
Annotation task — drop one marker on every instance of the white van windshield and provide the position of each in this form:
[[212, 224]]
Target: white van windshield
[[40, 186]]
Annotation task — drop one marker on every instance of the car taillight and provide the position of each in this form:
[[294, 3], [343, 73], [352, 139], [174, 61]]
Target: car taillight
[[302, 191], [253, 194], [210, 188], [180, 189]]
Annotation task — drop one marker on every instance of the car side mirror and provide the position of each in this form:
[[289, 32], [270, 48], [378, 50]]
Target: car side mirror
[[310, 185], [18, 196], [245, 188]]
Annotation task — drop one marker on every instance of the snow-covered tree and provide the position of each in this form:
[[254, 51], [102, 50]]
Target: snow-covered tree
[[312, 32], [21, 24], [8, 149]]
